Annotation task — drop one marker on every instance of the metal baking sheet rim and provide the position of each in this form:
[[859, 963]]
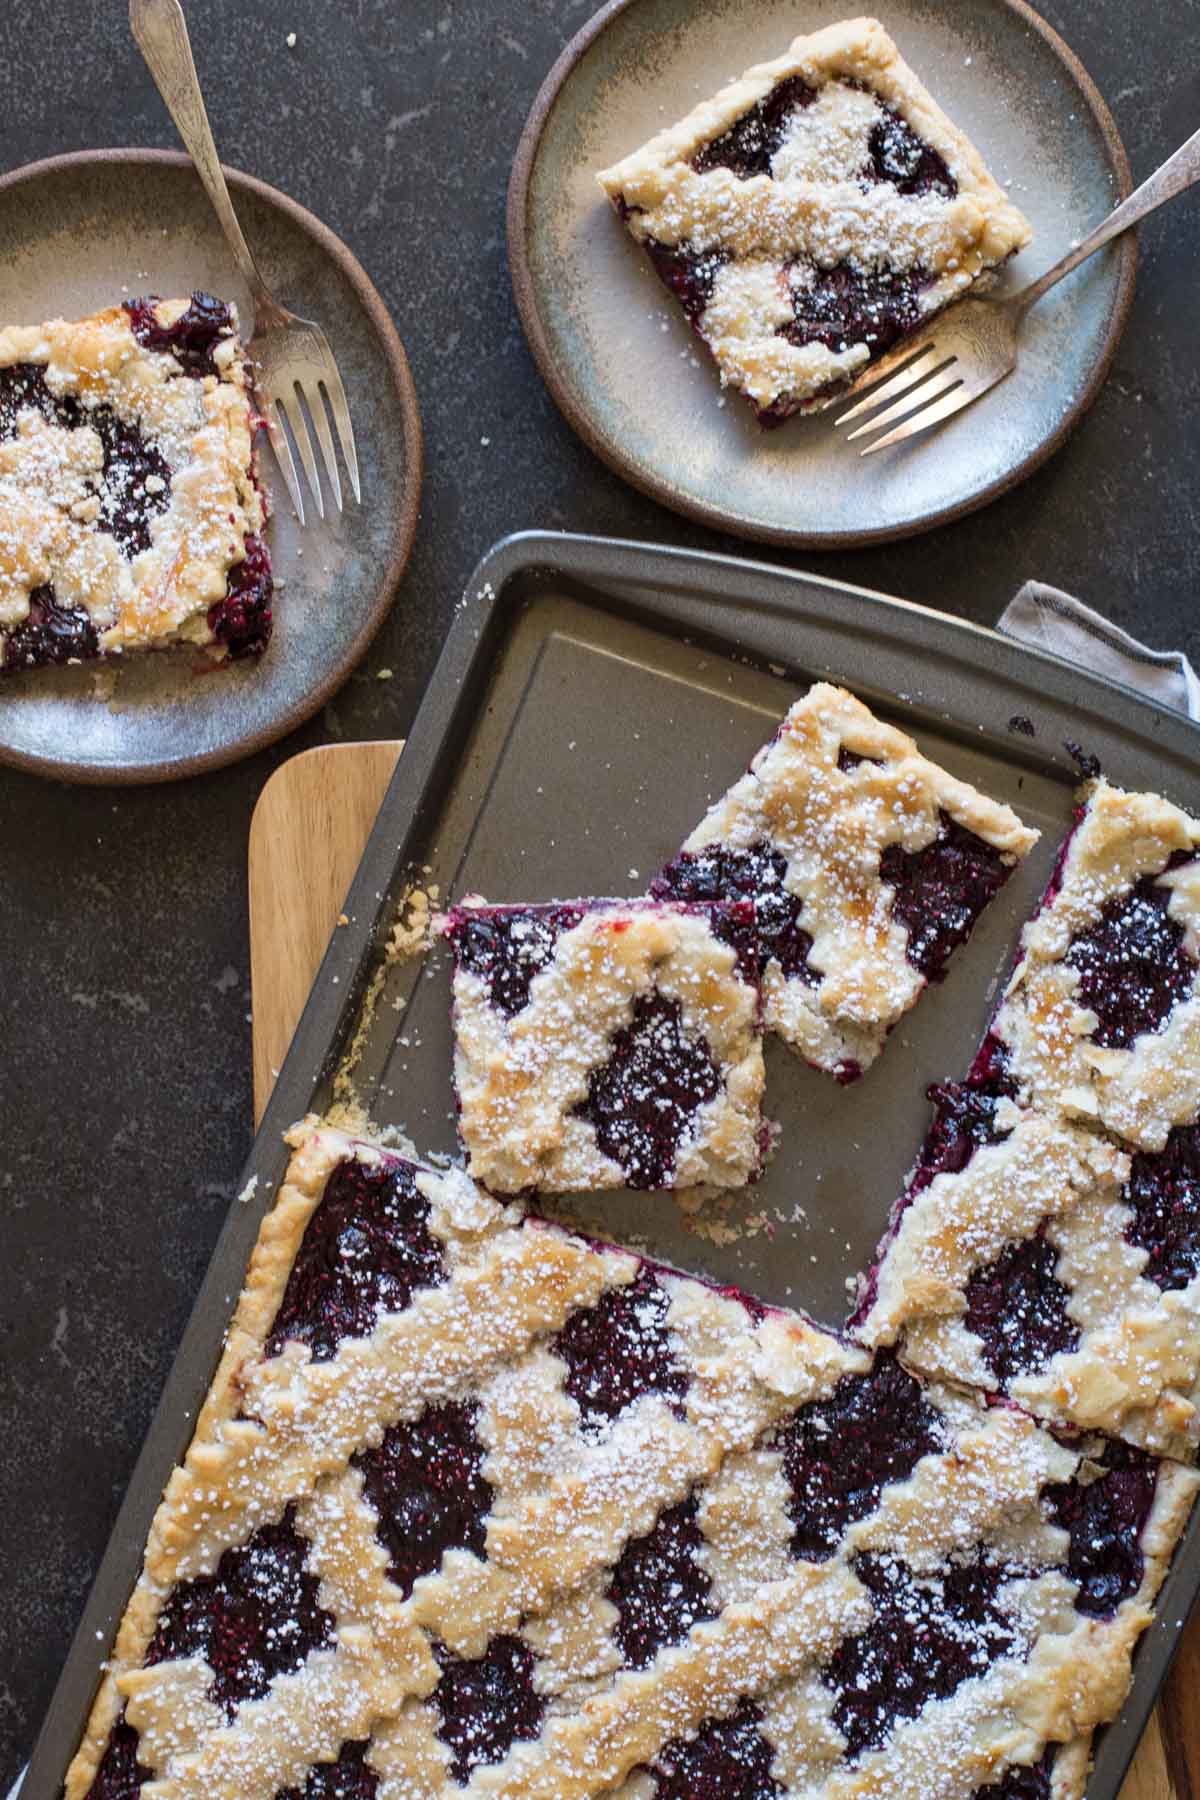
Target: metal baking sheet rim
[[748, 607]]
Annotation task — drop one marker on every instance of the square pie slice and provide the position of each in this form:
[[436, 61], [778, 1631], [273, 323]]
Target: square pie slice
[[130, 513], [1101, 1020], [606, 1043], [1032, 1258], [812, 214], [477, 1507], [868, 865]]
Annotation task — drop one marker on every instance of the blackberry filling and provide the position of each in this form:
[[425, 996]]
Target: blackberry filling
[[750, 143], [1022, 1784], [845, 305], [256, 1618], [366, 1250], [727, 1759], [938, 892], [120, 1775], [690, 274], [507, 949], [425, 1482], [839, 1454], [643, 1101], [1105, 1519], [351, 1777], [1132, 965], [1017, 1307], [51, 634], [242, 619], [620, 1349], [1164, 1196], [716, 874], [849, 760], [127, 504], [902, 158], [487, 1704], [193, 337], [964, 1121], [659, 1588], [930, 1633]]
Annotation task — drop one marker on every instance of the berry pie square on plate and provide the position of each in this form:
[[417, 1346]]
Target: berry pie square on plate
[[130, 512], [477, 1506], [1101, 1020], [868, 865], [813, 213], [606, 1043]]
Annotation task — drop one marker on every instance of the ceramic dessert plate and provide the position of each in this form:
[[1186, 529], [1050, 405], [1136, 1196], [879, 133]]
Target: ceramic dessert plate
[[83, 232], [605, 333]]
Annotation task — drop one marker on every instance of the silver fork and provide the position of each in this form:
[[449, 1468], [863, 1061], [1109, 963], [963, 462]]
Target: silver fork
[[292, 355], [975, 347]]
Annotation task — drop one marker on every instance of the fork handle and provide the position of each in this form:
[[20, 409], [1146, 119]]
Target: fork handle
[[1176, 174], [161, 33]]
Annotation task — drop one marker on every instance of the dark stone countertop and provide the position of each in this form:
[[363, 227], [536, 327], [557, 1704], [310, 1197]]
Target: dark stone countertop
[[126, 1049]]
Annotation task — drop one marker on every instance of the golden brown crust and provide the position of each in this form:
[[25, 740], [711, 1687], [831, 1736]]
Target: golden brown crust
[[49, 509], [813, 206]]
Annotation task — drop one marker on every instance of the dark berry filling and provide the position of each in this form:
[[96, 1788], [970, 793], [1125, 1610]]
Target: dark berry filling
[[845, 305], [849, 760], [659, 1588], [256, 1618], [486, 1705], [120, 1775], [426, 1484], [127, 505], [1106, 1519], [1132, 965], [758, 874], [930, 1633], [1018, 1307], [643, 1101], [728, 1759], [1022, 1784], [938, 892], [899, 156], [690, 274], [751, 141], [840, 1453], [366, 1250], [1164, 1195], [620, 1349], [507, 949], [193, 337], [51, 634], [242, 619], [351, 1777], [964, 1121]]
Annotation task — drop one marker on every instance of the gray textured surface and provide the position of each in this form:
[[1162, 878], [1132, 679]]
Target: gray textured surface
[[126, 1091]]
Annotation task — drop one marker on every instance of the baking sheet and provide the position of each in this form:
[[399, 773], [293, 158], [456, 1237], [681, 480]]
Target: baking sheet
[[592, 697]]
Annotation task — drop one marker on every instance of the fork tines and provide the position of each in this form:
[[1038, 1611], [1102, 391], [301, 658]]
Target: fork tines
[[916, 386]]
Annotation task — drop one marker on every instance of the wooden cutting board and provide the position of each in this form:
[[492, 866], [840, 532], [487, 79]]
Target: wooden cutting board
[[308, 832]]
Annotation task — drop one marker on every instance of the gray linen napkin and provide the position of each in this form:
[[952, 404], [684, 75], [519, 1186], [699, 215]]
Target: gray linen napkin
[[1051, 620]]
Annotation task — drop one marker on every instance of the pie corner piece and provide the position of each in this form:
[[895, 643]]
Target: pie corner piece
[[131, 515], [476, 1505], [813, 213], [605, 1044], [869, 865]]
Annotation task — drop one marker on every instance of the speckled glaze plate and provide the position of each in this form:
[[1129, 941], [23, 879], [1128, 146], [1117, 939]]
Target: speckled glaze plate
[[81, 232], [607, 337]]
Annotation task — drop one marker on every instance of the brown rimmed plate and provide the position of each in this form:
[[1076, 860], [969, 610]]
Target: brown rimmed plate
[[635, 382], [81, 232]]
